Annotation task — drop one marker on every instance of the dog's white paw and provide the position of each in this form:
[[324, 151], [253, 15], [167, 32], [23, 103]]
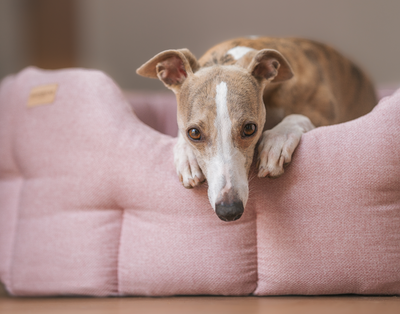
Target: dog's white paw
[[277, 145], [186, 165]]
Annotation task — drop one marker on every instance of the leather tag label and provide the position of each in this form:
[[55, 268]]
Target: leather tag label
[[42, 95]]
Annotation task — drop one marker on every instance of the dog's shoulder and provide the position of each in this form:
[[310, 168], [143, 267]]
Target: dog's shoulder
[[230, 51]]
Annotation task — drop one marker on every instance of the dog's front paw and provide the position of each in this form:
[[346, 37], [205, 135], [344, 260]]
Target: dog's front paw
[[275, 151], [277, 145], [186, 165]]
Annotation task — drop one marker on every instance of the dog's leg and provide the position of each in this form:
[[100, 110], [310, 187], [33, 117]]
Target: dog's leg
[[277, 145], [186, 164]]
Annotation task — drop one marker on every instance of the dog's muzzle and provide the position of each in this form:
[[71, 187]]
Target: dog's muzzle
[[229, 211]]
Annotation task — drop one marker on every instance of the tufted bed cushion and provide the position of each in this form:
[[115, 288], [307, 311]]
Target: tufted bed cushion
[[90, 203]]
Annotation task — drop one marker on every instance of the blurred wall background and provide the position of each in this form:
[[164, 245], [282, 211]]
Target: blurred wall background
[[117, 36]]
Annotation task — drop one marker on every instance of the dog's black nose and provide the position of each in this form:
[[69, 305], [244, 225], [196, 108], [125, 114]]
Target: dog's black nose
[[229, 212]]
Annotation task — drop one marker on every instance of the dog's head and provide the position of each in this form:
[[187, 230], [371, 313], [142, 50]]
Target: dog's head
[[221, 115]]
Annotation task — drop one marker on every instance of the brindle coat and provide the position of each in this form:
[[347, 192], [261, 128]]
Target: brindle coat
[[326, 87], [282, 86]]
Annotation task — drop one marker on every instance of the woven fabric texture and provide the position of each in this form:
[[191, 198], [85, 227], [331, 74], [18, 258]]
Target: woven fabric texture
[[90, 203]]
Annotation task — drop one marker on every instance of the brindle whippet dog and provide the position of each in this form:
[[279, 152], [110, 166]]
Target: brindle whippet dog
[[244, 92]]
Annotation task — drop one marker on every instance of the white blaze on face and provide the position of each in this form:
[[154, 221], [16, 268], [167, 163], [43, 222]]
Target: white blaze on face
[[239, 51], [226, 171]]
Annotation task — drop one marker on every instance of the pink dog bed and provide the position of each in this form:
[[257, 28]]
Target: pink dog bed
[[90, 203]]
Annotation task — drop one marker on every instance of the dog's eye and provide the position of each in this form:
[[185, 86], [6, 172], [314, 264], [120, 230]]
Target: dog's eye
[[249, 129], [194, 134]]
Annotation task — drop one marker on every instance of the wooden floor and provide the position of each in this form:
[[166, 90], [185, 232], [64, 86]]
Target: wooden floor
[[195, 305]]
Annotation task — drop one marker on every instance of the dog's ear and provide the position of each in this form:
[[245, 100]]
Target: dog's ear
[[269, 64], [172, 67]]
